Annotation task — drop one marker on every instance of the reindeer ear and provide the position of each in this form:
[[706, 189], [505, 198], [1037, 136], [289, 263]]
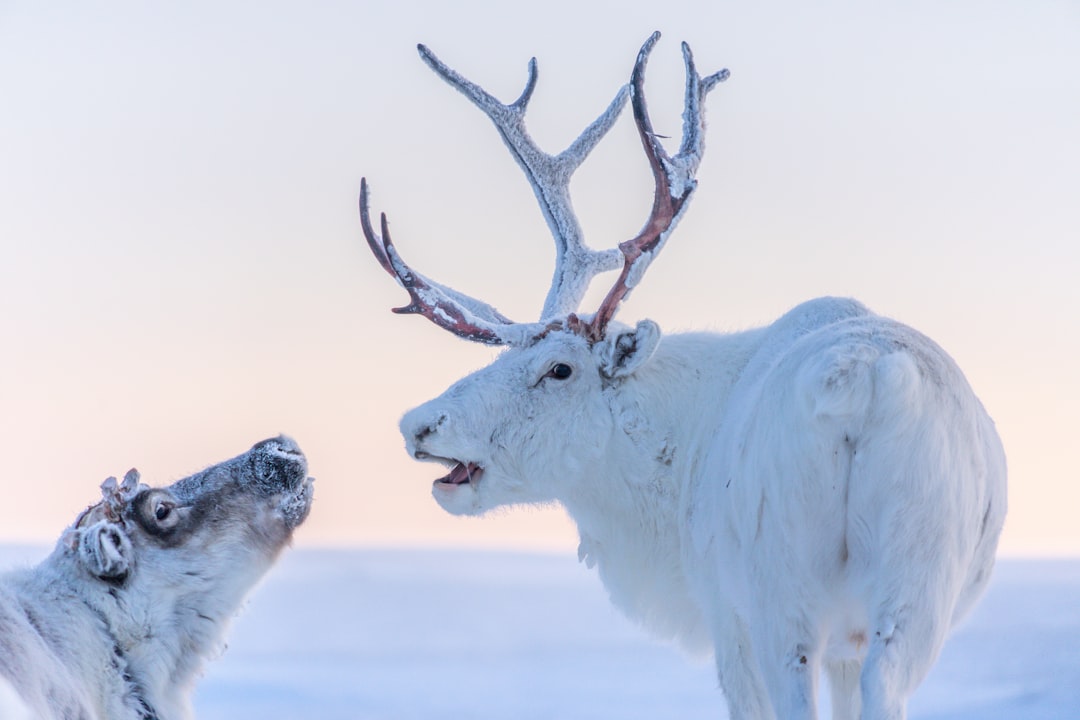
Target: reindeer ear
[[622, 353], [105, 550]]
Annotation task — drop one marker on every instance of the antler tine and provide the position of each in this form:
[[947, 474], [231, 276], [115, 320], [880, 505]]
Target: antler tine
[[674, 177], [575, 263], [130, 486], [462, 315], [112, 498]]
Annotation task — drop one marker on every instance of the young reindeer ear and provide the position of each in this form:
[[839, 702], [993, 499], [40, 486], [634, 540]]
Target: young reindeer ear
[[622, 353], [105, 550]]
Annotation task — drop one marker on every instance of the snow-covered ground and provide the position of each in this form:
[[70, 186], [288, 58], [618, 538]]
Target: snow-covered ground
[[403, 634]]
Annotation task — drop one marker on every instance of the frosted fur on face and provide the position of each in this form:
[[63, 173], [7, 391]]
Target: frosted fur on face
[[117, 623], [824, 492]]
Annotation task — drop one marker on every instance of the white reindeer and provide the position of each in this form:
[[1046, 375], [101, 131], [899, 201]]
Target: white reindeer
[[117, 622], [826, 491]]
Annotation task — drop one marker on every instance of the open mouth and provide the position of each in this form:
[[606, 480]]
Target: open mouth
[[461, 474]]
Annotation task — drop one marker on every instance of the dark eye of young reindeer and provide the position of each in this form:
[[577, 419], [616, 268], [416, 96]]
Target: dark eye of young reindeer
[[163, 511], [560, 371]]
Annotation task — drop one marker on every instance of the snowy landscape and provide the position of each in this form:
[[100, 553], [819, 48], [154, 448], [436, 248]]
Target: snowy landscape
[[188, 271], [423, 634]]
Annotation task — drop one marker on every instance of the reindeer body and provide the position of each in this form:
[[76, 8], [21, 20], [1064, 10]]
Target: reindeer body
[[844, 513], [826, 491], [823, 493]]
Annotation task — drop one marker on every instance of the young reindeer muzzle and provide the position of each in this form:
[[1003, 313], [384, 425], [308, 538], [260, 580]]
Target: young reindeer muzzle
[[575, 263]]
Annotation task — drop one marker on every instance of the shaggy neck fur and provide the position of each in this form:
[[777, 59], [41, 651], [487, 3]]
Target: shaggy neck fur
[[628, 514], [155, 666], [135, 694]]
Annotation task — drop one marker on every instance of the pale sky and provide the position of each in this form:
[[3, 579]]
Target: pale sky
[[184, 273]]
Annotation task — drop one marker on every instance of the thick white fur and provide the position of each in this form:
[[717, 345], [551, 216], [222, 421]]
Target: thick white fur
[[116, 623], [823, 493]]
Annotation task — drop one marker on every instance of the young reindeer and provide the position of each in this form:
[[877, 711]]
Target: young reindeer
[[117, 622], [826, 491]]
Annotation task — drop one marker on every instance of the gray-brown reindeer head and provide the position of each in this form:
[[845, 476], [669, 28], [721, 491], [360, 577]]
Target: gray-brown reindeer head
[[240, 511], [507, 431], [165, 569]]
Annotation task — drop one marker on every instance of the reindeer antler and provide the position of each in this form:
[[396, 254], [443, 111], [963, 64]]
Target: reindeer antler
[[549, 175], [674, 177], [460, 314], [114, 498]]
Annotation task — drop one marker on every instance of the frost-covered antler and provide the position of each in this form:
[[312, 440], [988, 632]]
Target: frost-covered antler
[[674, 176], [549, 175], [460, 314]]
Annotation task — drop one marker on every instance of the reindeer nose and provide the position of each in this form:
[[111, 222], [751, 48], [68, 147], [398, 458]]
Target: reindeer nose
[[278, 464], [416, 427]]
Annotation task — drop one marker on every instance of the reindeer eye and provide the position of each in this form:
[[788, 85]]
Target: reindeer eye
[[158, 512], [560, 371]]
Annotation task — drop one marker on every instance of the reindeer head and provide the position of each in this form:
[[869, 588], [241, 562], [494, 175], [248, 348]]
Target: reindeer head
[[510, 432], [203, 529], [165, 569]]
